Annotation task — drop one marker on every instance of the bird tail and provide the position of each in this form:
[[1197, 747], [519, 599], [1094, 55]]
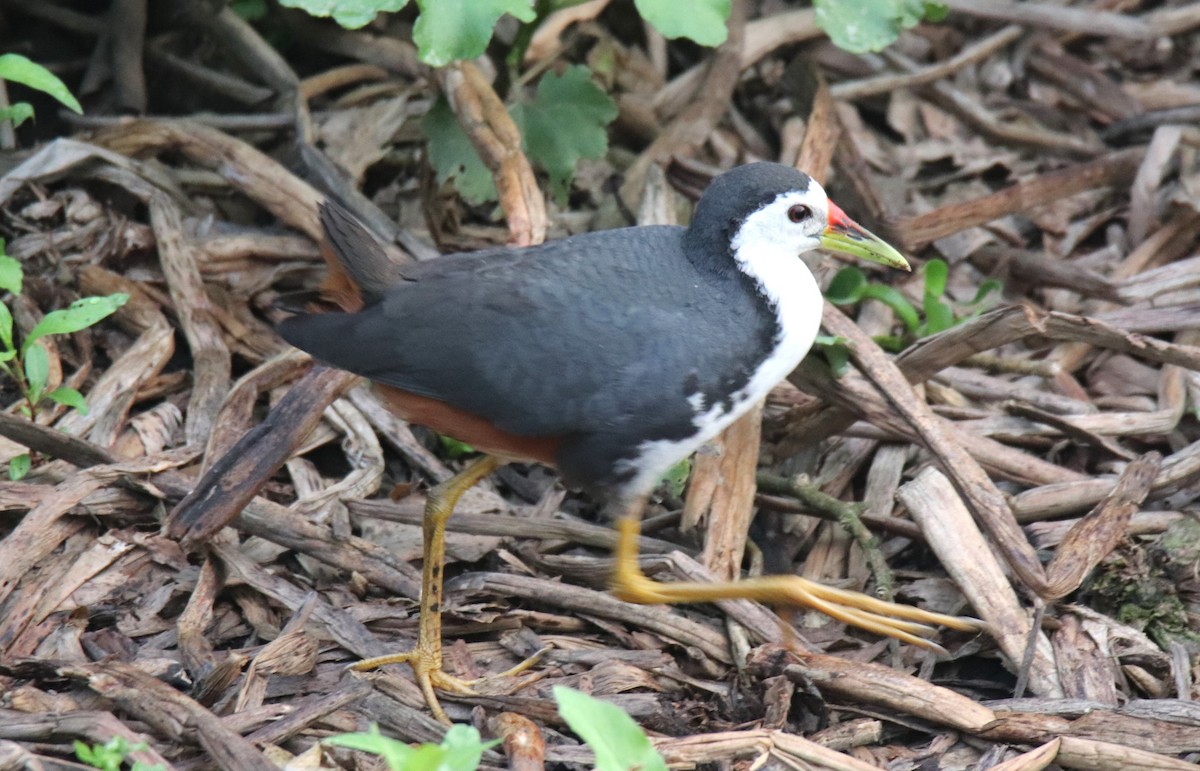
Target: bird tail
[[359, 269]]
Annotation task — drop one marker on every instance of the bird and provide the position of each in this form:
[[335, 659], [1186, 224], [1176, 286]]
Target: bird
[[609, 355]]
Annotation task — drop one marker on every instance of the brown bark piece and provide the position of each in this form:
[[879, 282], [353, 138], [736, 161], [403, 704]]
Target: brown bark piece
[[236, 478], [1092, 538], [977, 489], [171, 713], [495, 135], [917, 232]]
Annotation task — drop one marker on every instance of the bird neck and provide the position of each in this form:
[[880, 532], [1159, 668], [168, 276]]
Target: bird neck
[[789, 288]]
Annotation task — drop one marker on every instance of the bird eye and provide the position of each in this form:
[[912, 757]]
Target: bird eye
[[799, 213]]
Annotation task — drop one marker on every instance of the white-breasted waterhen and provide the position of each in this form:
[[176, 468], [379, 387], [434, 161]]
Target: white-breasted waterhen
[[610, 355]]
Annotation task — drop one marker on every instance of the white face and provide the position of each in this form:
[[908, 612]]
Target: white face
[[791, 224]]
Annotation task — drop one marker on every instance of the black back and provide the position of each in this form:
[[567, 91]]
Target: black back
[[601, 339]]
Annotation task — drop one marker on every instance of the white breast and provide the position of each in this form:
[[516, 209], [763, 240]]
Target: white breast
[[789, 286]]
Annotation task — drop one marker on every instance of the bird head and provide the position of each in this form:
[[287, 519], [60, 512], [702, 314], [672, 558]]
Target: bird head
[[762, 209]]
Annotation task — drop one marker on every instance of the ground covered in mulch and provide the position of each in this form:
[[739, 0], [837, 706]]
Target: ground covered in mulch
[[1036, 465]]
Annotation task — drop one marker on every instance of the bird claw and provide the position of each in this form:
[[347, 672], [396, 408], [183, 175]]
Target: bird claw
[[429, 675], [902, 622]]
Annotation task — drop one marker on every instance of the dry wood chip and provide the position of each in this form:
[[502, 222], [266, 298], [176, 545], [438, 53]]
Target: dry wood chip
[[170, 713], [1034, 760], [211, 373], [498, 141], [662, 620], [111, 397], [947, 524], [91, 726], [1092, 538], [977, 489], [356, 138], [523, 741]]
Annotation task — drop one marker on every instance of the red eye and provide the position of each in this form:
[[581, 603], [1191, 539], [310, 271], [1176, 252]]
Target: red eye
[[799, 213]]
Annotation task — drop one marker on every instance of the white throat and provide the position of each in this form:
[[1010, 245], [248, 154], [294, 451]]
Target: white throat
[[790, 287]]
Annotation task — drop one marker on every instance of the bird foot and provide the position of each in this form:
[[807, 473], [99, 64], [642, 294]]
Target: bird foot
[[429, 675], [903, 622]]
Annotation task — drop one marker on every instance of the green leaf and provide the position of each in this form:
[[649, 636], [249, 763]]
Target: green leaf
[[938, 317], [69, 397], [449, 30], [567, 121], [19, 69], [859, 26], [454, 157], [836, 353], [619, 744], [17, 113], [896, 301], [454, 448], [6, 330], [11, 273], [18, 467], [677, 476], [37, 372], [250, 10], [81, 314], [351, 14], [395, 753], [890, 343], [936, 274], [986, 288], [935, 11], [846, 287], [463, 748], [700, 20]]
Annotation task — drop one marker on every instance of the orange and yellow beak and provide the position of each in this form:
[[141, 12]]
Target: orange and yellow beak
[[846, 236]]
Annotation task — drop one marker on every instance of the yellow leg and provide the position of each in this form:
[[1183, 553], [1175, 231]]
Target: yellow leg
[[903, 622], [426, 658]]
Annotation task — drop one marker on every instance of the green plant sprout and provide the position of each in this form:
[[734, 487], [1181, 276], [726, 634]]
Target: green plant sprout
[[568, 118], [565, 121], [453, 30], [19, 69], [850, 286], [861, 26], [618, 742], [110, 755], [461, 749], [28, 364], [450, 30]]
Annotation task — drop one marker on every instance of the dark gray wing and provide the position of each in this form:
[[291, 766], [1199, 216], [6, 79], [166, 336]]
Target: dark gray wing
[[596, 333]]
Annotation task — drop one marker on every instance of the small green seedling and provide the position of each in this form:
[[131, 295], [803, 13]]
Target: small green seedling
[[619, 743], [28, 364], [452, 30], [564, 121], [461, 749], [860, 26], [19, 69], [836, 353], [850, 286], [454, 448], [110, 755], [676, 478]]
